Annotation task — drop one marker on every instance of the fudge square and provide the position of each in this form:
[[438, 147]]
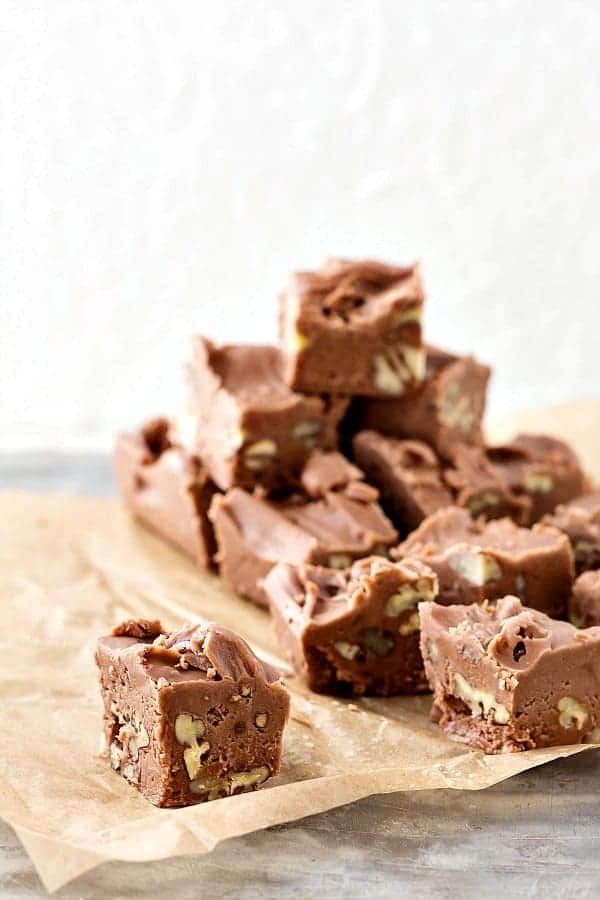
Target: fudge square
[[507, 678], [584, 603], [167, 488], [407, 474], [476, 560], [254, 533], [353, 327], [354, 631], [446, 410], [251, 429], [481, 489], [580, 521], [189, 716], [542, 469]]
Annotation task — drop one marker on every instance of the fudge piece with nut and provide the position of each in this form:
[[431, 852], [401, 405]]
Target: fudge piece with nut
[[254, 533], [445, 411], [478, 487], [476, 560], [167, 488], [506, 678], [584, 603], [580, 521], [251, 428], [189, 716], [354, 631], [353, 327], [540, 469], [407, 474]]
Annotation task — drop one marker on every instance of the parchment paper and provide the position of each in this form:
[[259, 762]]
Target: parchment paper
[[70, 568]]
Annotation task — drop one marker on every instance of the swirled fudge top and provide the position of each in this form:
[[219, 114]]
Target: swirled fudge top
[[508, 633], [356, 291], [194, 653]]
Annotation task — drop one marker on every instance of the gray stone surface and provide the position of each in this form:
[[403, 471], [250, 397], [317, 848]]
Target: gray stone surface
[[537, 835]]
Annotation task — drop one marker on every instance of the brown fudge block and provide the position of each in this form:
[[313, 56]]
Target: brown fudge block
[[480, 489], [584, 603], [407, 474], [477, 560], [543, 470], [580, 521], [254, 533], [353, 327], [167, 488], [445, 411], [507, 678], [251, 429], [354, 631], [189, 716]]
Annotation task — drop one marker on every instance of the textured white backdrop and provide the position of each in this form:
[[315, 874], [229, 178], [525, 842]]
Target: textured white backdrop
[[164, 164]]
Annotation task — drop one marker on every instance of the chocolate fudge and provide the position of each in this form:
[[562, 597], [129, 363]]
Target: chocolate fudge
[[254, 533], [476, 560], [189, 716], [480, 489], [251, 429], [580, 521], [407, 474], [507, 678], [543, 470], [353, 327], [445, 411], [167, 488], [354, 631], [584, 603]]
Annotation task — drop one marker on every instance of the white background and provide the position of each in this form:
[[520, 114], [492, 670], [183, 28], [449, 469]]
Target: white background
[[165, 164]]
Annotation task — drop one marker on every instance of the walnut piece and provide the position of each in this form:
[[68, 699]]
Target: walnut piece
[[307, 432], [571, 712], [260, 720], [377, 641], [187, 731], [397, 366], [229, 784], [346, 650], [475, 567], [260, 454], [412, 624], [480, 702], [410, 595], [339, 561], [538, 483]]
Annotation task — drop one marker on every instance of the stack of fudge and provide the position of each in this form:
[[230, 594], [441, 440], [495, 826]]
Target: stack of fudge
[[342, 481]]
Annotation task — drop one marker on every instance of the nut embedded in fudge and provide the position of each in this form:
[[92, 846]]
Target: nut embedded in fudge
[[507, 678], [540, 469], [251, 429], [580, 521], [167, 488], [482, 490], [189, 716], [445, 411], [584, 603], [253, 533], [354, 631], [353, 327], [407, 473], [476, 560]]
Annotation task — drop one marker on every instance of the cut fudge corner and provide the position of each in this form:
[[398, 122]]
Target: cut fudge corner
[[507, 678], [190, 715], [352, 631]]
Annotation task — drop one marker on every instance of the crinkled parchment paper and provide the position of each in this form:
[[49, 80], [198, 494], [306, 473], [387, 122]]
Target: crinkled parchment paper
[[70, 568]]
